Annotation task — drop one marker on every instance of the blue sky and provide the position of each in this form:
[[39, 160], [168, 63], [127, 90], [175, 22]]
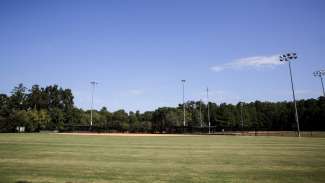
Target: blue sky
[[139, 51]]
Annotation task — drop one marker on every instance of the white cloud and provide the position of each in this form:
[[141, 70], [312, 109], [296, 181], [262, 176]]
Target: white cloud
[[256, 62]]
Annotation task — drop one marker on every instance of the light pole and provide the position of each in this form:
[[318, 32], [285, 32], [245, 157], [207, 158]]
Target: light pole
[[201, 112], [320, 74], [208, 110], [288, 58], [184, 120], [241, 115], [194, 111], [93, 84]]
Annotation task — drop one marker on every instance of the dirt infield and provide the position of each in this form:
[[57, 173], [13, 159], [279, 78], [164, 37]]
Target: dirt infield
[[129, 134]]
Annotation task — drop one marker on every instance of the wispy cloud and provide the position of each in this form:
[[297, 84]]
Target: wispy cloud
[[256, 62]]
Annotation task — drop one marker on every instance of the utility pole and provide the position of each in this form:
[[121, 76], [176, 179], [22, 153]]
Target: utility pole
[[288, 58]]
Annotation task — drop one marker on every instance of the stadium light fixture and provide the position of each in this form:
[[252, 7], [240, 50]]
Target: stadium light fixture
[[93, 84], [184, 119], [288, 58], [320, 74]]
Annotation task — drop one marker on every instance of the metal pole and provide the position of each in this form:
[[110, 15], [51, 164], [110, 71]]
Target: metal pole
[[92, 103], [201, 113], [320, 73], [321, 79], [208, 110], [241, 115], [294, 99], [93, 83], [184, 119], [194, 112]]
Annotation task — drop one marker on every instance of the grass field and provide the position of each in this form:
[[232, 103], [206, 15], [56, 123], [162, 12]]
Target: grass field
[[74, 158]]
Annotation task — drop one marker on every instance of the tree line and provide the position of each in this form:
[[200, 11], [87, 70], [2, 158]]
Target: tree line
[[52, 108]]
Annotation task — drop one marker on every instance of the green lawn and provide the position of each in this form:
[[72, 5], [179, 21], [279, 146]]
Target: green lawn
[[68, 158]]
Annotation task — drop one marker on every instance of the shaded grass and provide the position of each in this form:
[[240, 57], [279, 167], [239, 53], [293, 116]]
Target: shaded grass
[[67, 158]]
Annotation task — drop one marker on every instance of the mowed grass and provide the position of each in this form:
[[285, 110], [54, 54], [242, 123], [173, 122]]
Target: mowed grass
[[71, 158]]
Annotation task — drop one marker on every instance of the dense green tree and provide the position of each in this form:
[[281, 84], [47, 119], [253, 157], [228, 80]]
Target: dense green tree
[[120, 120], [35, 97], [18, 98], [106, 117], [52, 108], [57, 119], [21, 118], [4, 113]]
